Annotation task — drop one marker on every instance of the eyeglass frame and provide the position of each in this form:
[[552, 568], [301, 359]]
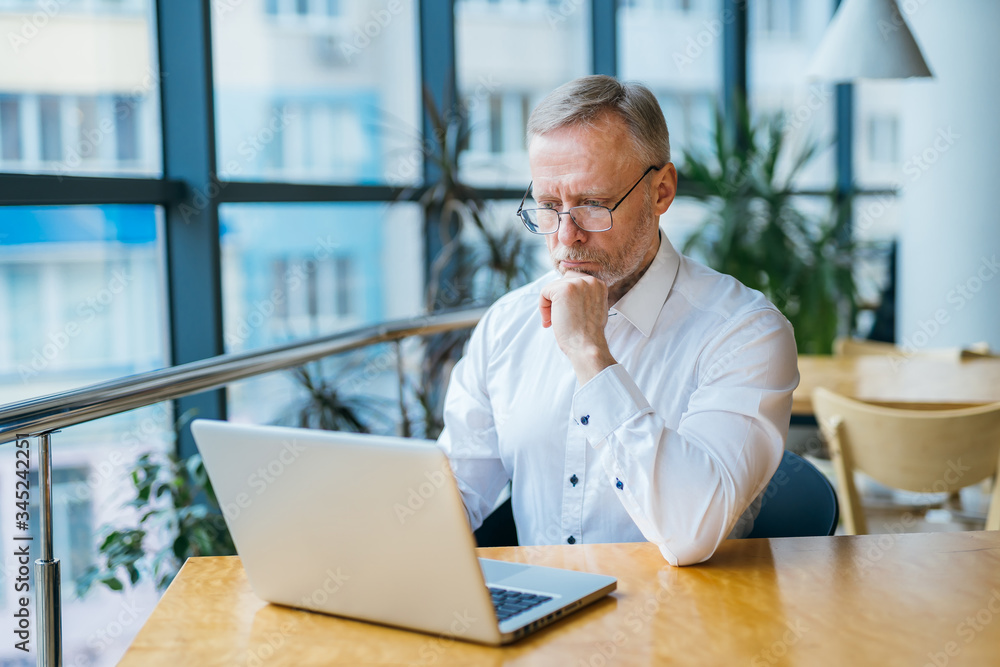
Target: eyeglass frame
[[569, 211]]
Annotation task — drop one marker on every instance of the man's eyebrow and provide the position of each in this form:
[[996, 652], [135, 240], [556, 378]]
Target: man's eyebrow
[[586, 194]]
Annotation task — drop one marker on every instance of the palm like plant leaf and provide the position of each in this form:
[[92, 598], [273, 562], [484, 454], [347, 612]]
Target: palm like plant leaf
[[478, 261], [755, 232]]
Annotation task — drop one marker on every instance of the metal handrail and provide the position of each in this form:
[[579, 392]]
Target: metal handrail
[[56, 411]]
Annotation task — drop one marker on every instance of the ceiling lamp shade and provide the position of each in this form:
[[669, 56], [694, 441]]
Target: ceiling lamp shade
[[868, 39]]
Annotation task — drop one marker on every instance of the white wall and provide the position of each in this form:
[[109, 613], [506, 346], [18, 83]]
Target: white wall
[[949, 282]]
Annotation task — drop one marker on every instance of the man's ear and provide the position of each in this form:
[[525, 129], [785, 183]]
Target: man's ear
[[664, 188]]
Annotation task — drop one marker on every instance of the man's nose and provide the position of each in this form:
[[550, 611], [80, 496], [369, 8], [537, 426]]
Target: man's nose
[[569, 232]]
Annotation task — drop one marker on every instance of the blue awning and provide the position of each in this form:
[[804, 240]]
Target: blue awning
[[133, 224]]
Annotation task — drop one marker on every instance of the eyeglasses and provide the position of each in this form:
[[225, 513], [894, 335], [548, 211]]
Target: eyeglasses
[[587, 218]]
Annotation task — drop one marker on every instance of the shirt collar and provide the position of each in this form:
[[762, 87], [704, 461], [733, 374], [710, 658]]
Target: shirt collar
[[641, 305]]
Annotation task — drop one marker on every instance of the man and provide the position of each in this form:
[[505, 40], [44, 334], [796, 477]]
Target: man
[[634, 394]]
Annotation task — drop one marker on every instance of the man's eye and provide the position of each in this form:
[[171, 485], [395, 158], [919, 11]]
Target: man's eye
[[547, 204], [592, 203]]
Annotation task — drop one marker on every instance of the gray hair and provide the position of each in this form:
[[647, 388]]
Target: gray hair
[[583, 100]]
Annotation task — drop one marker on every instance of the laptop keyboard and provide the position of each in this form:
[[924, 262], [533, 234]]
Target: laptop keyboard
[[508, 603]]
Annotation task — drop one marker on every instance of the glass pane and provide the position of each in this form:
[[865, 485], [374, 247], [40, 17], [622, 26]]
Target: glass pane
[[79, 88], [675, 48], [317, 91], [81, 297], [531, 258], [511, 53], [293, 271], [878, 164], [341, 266], [91, 464], [781, 38], [876, 228], [82, 301], [878, 159], [685, 217]]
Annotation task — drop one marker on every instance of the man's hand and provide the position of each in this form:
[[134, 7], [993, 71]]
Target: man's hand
[[576, 307]]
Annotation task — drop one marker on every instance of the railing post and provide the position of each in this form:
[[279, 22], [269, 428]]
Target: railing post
[[48, 594]]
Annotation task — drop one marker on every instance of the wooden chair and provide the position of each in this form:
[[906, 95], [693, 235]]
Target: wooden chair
[[853, 347], [915, 450]]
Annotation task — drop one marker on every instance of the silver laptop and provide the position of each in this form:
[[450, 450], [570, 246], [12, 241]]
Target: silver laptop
[[373, 528]]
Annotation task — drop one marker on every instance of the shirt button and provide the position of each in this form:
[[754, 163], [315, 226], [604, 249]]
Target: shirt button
[[571, 539], [585, 419], [618, 483], [574, 479]]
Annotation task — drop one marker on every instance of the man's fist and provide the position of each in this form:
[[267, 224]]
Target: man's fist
[[576, 308]]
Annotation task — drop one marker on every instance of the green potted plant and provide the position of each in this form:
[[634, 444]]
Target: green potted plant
[[479, 261], [755, 232], [333, 399], [176, 500]]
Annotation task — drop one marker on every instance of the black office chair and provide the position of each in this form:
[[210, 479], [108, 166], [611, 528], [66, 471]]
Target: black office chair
[[798, 502], [498, 529]]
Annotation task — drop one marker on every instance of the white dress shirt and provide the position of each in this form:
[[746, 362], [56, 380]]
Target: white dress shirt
[[673, 444]]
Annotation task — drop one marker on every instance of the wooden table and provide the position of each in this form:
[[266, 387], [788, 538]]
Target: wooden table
[[898, 379], [907, 599]]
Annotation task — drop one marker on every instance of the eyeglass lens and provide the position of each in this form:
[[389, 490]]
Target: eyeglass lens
[[587, 218]]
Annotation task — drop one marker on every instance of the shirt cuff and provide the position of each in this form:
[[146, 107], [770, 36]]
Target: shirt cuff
[[606, 402]]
